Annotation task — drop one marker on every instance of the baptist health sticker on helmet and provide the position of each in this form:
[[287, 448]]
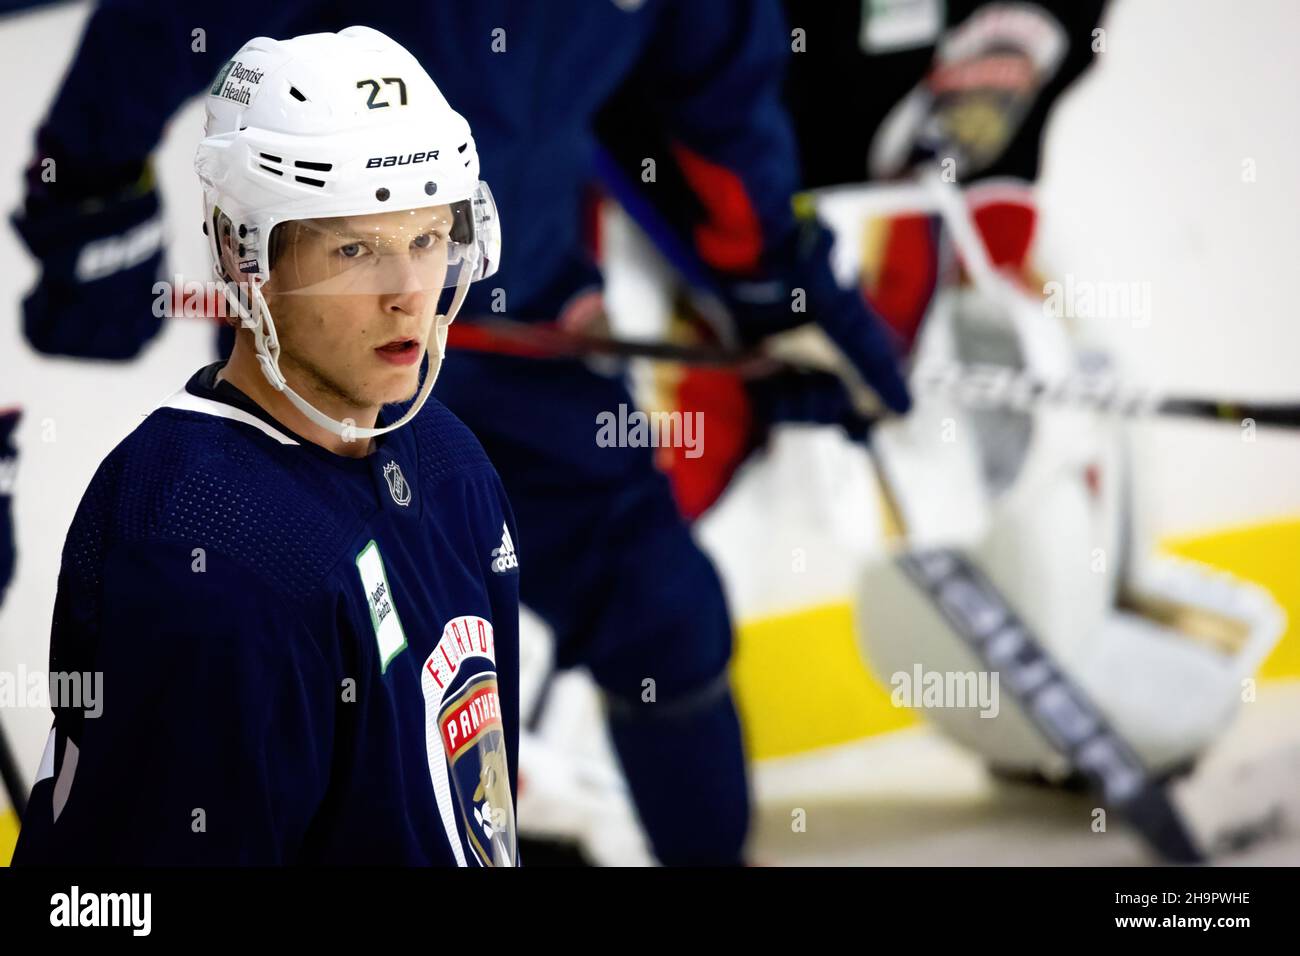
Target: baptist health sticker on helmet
[[237, 82], [383, 612], [466, 746]]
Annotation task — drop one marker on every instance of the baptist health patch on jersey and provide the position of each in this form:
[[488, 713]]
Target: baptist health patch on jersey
[[383, 612], [465, 742]]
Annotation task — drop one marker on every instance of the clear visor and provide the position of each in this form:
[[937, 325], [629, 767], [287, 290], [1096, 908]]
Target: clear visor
[[426, 249]]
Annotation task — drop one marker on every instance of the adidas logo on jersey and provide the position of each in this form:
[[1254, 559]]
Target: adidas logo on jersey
[[504, 557]]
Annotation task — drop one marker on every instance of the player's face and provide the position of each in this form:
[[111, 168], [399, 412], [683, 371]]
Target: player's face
[[354, 299]]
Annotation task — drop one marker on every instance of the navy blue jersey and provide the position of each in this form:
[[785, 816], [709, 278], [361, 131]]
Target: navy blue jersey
[[301, 657]]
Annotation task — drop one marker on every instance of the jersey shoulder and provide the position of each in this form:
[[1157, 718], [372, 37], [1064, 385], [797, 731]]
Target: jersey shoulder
[[217, 484], [447, 448]]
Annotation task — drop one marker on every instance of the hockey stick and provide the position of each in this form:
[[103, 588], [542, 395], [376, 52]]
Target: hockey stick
[[1060, 711], [545, 340], [972, 384], [997, 386]]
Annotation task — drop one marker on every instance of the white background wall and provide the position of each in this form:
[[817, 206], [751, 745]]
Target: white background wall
[[1143, 182]]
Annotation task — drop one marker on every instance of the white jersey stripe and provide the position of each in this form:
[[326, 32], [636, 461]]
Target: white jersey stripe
[[193, 403]]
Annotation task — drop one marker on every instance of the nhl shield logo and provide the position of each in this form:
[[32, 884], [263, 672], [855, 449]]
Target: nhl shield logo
[[397, 485]]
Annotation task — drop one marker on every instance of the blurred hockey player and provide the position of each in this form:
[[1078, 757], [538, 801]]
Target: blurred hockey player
[[964, 87], [616, 573], [286, 597]]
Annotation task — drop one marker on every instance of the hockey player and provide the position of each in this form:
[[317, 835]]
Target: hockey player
[[621, 581], [291, 590]]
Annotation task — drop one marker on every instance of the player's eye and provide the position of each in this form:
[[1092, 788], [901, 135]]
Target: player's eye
[[428, 240], [351, 250]]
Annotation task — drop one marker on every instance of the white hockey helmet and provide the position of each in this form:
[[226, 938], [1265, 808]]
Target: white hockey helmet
[[327, 126]]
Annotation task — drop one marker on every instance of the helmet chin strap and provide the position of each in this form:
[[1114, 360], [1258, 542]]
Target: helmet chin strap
[[267, 347]]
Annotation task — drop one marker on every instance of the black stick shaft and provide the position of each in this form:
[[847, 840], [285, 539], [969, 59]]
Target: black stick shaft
[[1057, 707]]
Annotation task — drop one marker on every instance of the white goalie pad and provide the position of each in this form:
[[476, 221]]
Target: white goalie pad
[[1038, 502]]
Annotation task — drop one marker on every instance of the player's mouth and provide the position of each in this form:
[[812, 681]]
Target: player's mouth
[[400, 351]]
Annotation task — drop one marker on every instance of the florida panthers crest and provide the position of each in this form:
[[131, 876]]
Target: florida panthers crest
[[465, 741]]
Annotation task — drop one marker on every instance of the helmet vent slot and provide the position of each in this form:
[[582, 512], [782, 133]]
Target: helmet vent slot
[[321, 167], [271, 159], [278, 172], [297, 95], [309, 182]]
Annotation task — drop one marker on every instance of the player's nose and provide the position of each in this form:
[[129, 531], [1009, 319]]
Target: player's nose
[[408, 288]]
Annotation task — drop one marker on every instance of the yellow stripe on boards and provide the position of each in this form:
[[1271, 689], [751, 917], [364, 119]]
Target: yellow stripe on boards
[[8, 835], [801, 683]]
